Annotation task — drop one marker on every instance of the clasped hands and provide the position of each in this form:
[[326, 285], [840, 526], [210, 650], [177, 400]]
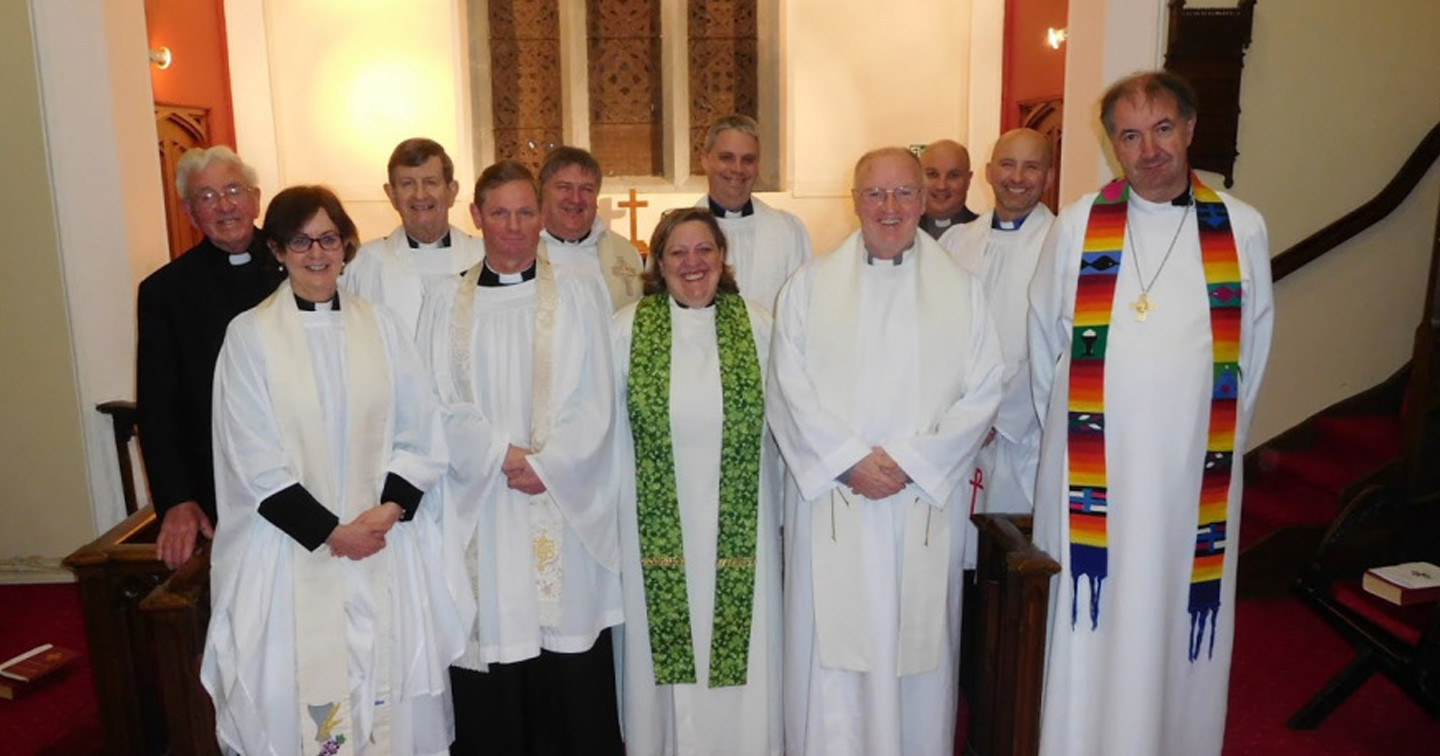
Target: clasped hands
[[519, 475], [364, 535], [876, 476]]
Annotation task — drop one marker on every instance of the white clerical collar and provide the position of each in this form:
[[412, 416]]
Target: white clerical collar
[[441, 243], [896, 260], [720, 211], [571, 242], [943, 222], [1004, 225], [239, 259]]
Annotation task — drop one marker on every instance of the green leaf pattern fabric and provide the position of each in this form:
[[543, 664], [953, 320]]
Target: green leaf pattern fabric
[[662, 552]]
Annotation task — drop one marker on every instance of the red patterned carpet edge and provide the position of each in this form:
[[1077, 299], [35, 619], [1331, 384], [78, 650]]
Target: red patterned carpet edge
[[59, 715]]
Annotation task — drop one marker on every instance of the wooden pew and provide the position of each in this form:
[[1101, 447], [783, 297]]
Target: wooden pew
[[1013, 580], [146, 629]]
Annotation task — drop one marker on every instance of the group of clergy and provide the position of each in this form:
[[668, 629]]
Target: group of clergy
[[524, 493]]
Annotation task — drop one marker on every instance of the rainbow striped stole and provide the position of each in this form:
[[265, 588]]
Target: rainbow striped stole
[[1100, 258]]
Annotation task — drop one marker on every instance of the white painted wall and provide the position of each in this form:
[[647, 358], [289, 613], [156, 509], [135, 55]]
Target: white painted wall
[[324, 89], [100, 132]]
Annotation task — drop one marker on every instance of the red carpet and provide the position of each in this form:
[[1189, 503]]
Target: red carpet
[[59, 716], [1283, 653]]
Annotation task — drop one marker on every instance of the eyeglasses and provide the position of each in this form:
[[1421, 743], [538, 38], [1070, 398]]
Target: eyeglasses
[[875, 196], [210, 197], [329, 242]]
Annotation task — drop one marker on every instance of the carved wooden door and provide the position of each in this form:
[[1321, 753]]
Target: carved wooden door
[[178, 129]]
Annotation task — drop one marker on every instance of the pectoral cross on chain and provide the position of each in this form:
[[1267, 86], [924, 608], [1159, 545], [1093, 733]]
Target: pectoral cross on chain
[[632, 205], [1142, 306]]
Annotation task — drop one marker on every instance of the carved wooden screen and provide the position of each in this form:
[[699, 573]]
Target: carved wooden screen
[[1207, 46], [525, 78], [724, 61], [627, 129]]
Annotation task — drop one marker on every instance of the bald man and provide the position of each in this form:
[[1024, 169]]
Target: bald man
[[947, 183], [879, 433], [1001, 249]]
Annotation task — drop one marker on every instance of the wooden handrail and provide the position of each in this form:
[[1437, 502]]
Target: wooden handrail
[[1348, 226]]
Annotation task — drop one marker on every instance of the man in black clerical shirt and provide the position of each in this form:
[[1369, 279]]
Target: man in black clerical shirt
[[947, 185], [183, 309]]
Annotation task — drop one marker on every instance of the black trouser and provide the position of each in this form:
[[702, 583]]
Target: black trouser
[[551, 705]]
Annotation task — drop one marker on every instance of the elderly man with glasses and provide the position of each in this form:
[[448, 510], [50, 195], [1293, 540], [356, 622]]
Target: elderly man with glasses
[[182, 310], [885, 380]]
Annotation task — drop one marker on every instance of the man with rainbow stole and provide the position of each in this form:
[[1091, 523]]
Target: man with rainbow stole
[[1150, 323]]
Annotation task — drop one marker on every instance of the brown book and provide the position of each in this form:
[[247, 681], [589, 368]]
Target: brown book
[[1404, 584], [23, 670]]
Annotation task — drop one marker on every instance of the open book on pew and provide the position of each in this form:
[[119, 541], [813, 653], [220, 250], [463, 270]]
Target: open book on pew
[[1404, 584]]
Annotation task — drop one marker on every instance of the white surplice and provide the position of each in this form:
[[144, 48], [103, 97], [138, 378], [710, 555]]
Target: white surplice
[[695, 719], [1004, 261], [764, 248], [602, 253], [389, 272], [903, 357], [1129, 686], [489, 525], [250, 660]]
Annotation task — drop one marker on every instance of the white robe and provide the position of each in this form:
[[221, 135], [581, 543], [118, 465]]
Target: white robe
[[387, 271], [695, 719], [764, 248], [622, 279], [1004, 261], [1128, 687], [488, 525], [249, 666], [835, 711]]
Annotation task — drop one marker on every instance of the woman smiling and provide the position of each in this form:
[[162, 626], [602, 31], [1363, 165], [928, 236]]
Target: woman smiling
[[331, 630], [698, 519]]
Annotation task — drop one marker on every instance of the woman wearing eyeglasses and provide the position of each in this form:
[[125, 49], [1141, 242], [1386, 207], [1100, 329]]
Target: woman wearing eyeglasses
[[331, 630], [699, 520]]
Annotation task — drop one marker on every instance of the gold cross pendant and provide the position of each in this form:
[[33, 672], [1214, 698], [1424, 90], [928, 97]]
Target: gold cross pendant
[[1142, 306]]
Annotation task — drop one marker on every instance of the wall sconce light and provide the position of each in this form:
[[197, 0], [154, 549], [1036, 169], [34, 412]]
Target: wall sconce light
[[160, 56], [1055, 37]]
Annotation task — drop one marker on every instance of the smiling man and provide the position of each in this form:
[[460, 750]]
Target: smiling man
[[1001, 249], [569, 194], [1151, 316], [402, 269], [766, 244], [947, 185], [182, 312], [520, 352], [885, 377]]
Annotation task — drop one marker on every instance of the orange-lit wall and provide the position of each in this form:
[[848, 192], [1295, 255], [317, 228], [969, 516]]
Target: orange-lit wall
[[1033, 70], [194, 30]]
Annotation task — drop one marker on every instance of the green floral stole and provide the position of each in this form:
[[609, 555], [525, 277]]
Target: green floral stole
[[662, 550]]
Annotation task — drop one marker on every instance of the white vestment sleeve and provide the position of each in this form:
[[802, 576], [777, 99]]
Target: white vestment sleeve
[[817, 444], [1051, 315], [576, 464], [418, 452], [939, 460], [1253, 244]]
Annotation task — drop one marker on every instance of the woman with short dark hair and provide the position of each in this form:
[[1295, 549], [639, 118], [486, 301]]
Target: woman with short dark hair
[[331, 629]]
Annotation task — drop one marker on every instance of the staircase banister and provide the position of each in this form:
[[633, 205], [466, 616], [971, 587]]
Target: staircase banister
[[1351, 224]]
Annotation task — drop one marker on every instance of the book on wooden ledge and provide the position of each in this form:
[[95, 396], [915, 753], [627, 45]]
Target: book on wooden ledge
[[1404, 584], [24, 670]]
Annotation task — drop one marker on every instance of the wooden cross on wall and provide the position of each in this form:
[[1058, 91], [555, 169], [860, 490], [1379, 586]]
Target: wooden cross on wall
[[632, 205]]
